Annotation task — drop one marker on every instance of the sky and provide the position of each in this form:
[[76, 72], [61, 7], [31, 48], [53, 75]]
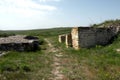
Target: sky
[[40, 14]]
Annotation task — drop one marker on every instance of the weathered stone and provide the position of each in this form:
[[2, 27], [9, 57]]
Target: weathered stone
[[75, 38], [118, 50], [62, 38], [18, 43], [68, 40], [86, 37]]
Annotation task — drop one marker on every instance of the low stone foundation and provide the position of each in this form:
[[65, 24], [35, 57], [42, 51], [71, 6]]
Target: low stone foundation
[[19, 43]]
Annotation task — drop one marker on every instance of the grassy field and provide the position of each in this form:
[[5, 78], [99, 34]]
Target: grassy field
[[98, 63], [24, 66], [29, 65]]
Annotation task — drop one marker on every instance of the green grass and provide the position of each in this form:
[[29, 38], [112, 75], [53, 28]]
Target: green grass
[[29, 65], [98, 63], [108, 23], [22, 66], [41, 33]]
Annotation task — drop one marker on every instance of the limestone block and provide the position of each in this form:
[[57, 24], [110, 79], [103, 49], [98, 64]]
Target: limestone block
[[68, 40], [18, 43], [62, 38], [75, 38]]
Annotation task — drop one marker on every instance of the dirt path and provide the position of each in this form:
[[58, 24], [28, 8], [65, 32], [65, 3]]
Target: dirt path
[[57, 56]]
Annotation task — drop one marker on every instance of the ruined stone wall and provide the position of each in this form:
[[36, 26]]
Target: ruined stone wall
[[62, 38], [103, 36], [86, 37], [19, 47], [75, 38], [68, 40], [19, 43]]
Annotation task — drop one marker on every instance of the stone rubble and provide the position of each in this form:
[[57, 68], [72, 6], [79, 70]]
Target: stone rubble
[[18, 43]]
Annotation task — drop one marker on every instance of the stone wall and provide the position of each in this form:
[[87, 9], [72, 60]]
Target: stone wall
[[19, 43], [68, 40], [62, 38], [103, 36], [86, 37], [75, 38]]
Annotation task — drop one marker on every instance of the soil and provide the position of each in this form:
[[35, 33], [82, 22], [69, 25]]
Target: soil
[[57, 62]]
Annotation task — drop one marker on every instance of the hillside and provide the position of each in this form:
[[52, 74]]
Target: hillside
[[55, 61], [108, 23]]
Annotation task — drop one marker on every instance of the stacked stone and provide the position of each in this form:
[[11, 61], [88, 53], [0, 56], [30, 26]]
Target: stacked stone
[[62, 38], [68, 40], [18, 43]]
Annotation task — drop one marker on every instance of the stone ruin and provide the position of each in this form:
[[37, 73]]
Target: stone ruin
[[65, 38], [19, 43], [87, 37], [62, 38], [68, 40]]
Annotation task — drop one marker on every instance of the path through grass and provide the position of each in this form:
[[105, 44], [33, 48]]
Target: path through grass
[[98, 63]]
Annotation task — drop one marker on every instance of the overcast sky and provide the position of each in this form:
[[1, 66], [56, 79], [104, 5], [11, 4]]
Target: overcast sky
[[37, 14]]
